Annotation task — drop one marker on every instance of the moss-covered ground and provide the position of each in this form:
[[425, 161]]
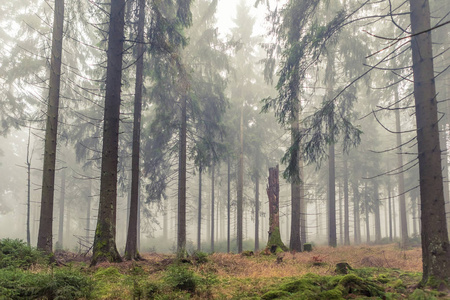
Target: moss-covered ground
[[377, 272]]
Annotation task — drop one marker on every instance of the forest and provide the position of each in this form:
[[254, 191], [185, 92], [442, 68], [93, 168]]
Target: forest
[[240, 149]]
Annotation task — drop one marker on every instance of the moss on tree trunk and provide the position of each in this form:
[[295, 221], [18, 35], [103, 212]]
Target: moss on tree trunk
[[274, 244]]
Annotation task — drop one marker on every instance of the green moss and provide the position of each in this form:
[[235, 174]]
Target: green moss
[[419, 294], [334, 294], [308, 282], [275, 240], [352, 284], [277, 294], [307, 247]]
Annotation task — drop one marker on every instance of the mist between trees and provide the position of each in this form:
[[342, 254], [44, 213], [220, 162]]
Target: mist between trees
[[136, 126]]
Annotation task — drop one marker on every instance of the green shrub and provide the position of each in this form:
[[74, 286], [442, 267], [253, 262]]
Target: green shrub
[[275, 295], [181, 278], [16, 254], [63, 284], [199, 257]]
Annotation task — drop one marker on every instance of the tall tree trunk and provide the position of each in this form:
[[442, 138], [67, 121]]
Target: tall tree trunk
[[131, 251], [435, 241], [199, 216], [165, 218], [273, 192], [356, 217], [45, 235], [88, 213], [105, 234], [414, 214], [240, 185], [295, 243], [228, 205], [29, 158], [62, 195], [332, 239], [181, 235], [377, 212], [366, 209], [394, 219], [341, 223], [303, 205], [401, 179], [212, 206], [346, 210], [257, 212], [390, 212]]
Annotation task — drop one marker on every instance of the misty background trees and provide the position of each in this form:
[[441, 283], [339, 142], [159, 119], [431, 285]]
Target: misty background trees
[[161, 144]]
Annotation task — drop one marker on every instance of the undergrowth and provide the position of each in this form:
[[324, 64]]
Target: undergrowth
[[376, 273]]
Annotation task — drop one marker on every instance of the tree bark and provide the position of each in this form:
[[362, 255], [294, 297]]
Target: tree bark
[[105, 234], [88, 212], [199, 216], [366, 209], [228, 205], [273, 192], [257, 212], [62, 195], [346, 210], [377, 212], [356, 217], [212, 207], [295, 243], [45, 236], [332, 239], [435, 241], [303, 205], [390, 212], [401, 178], [131, 251], [29, 158], [181, 235], [240, 185]]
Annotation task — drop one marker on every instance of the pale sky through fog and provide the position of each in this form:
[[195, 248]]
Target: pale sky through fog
[[226, 12]]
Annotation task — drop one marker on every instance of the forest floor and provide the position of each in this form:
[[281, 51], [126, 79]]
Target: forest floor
[[376, 272]]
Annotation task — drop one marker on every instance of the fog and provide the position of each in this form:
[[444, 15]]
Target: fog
[[350, 93]]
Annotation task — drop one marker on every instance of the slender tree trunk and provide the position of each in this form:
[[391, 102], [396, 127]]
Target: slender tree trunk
[[390, 212], [199, 216], [212, 206], [377, 212], [414, 214], [228, 205], [386, 218], [366, 209], [435, 241], [181, 236], [295, 243], [45, 236], [401, 179], [131, 251], [346, 210], [105, 234], [341, 223], [88, 213], [257, 212], [332, 239], [29, 158], [273, 192], [62, 195], [356, 218], [394, 219], [303, 205], [165, 218], [240, 185]]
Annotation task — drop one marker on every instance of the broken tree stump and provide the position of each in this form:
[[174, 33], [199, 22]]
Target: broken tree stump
[[274, 244]]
